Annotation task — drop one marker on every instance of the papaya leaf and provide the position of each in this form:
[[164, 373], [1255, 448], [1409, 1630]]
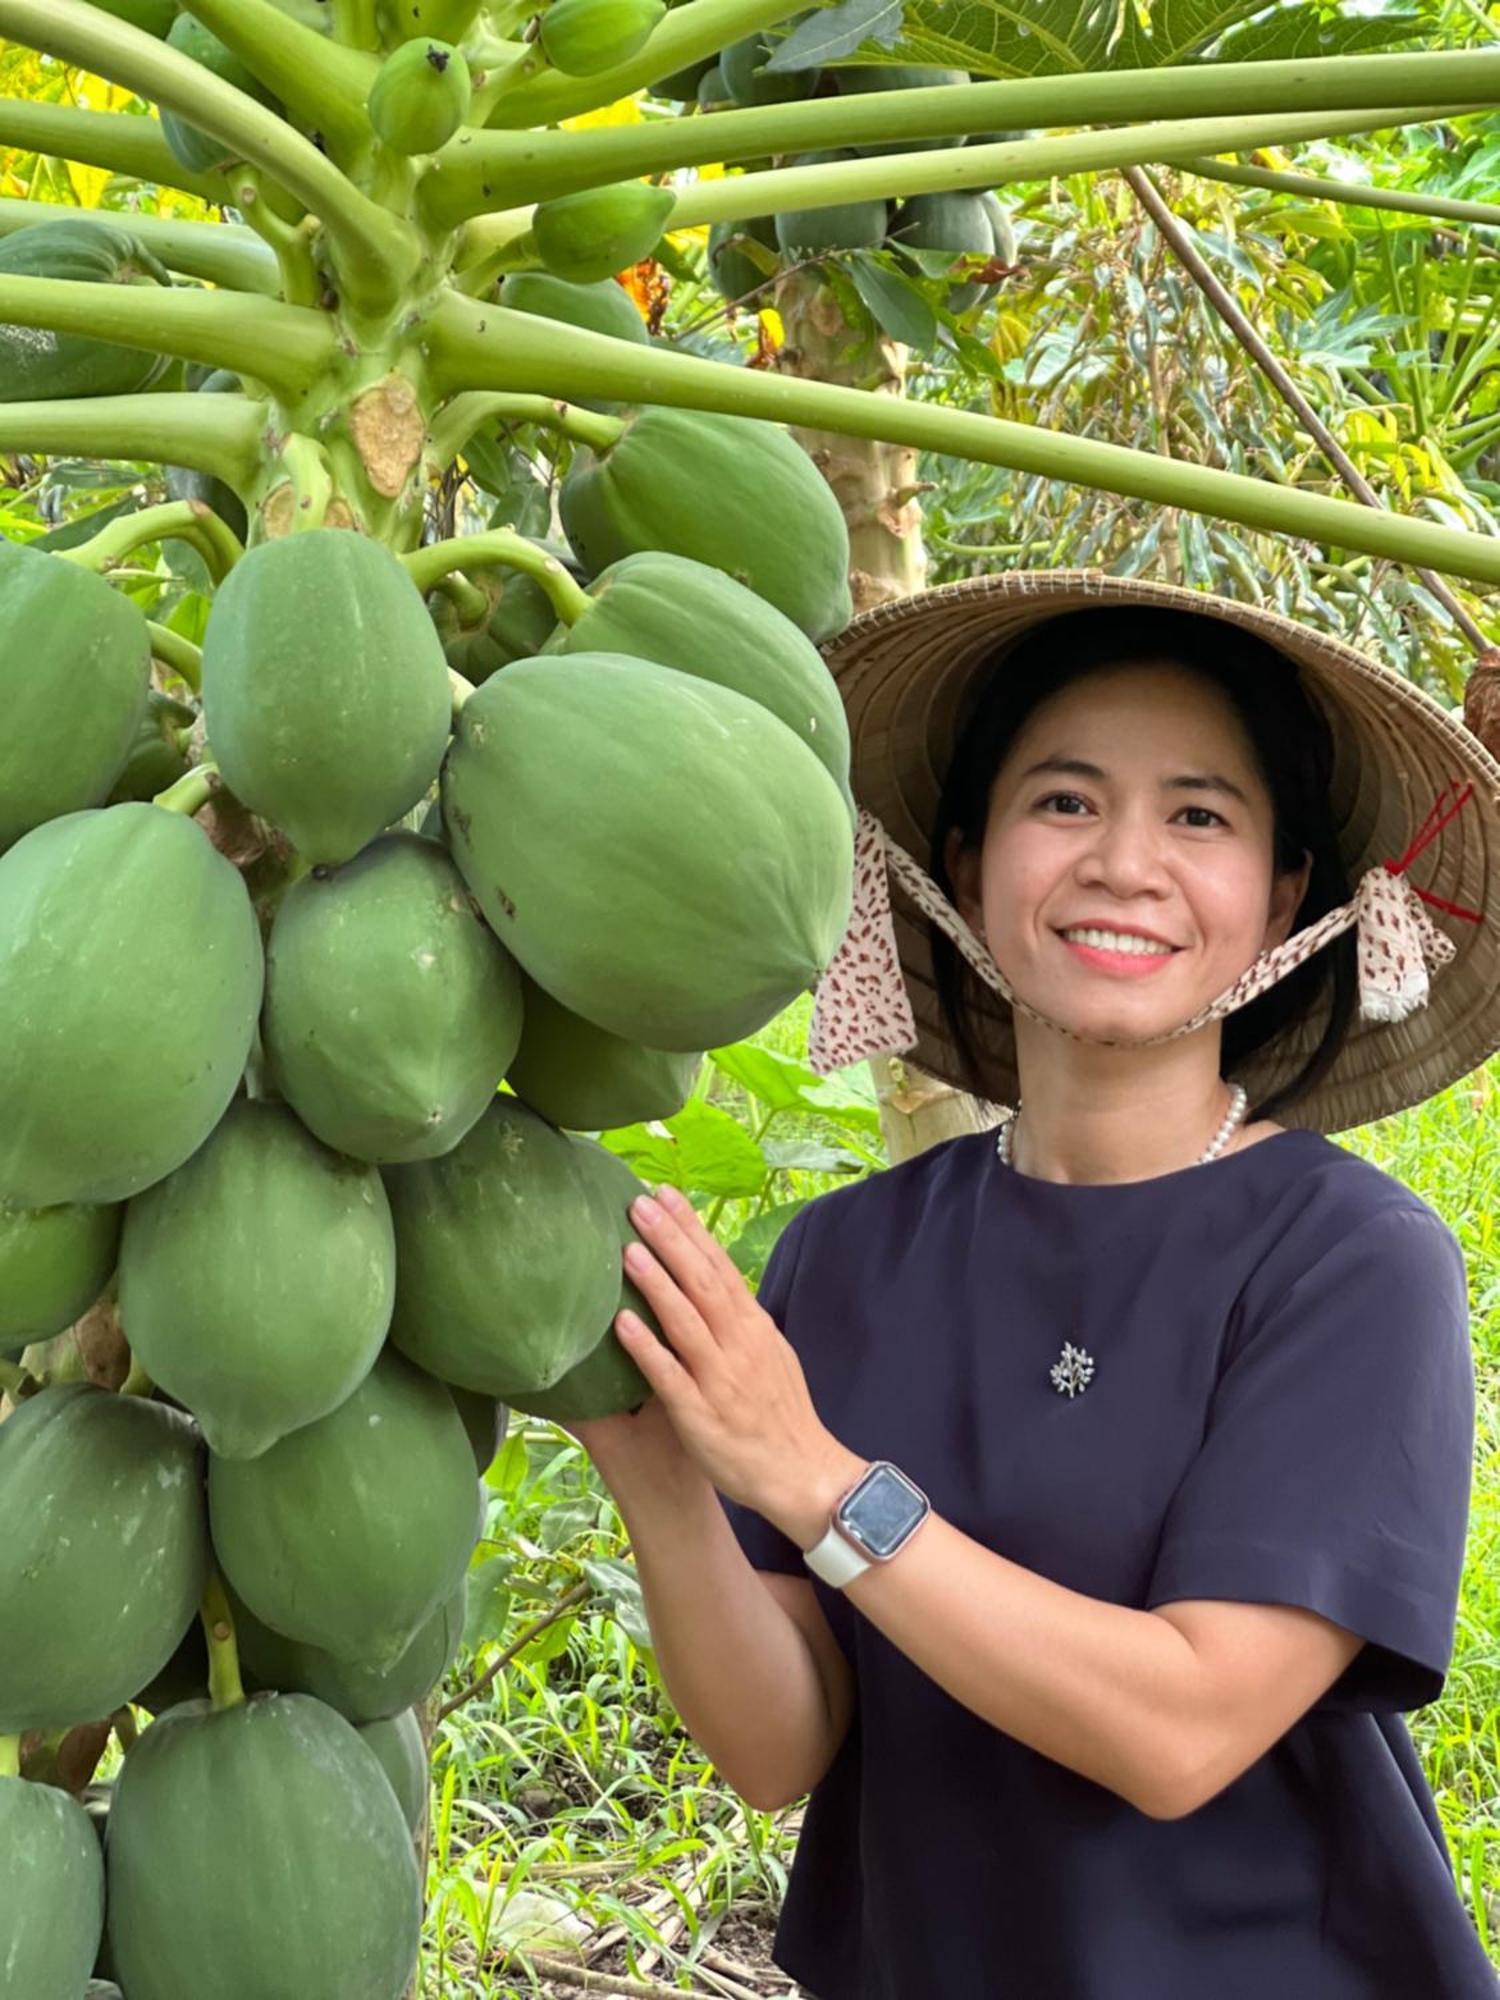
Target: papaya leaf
[[702, 1148], [487, 1611], [830, 33], [619, 1587], [894, 302], [751, 1249], [847, 1096]]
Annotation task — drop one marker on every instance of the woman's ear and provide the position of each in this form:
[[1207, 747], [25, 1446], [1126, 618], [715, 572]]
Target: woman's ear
[[963, 865], [1287, 892]]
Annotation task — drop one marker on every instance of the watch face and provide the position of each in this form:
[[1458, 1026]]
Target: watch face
[[884, 1511]]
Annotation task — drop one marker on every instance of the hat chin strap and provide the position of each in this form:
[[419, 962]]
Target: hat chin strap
[[861, 1006]]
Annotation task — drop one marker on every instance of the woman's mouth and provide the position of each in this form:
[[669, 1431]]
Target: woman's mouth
[[1116, 952]]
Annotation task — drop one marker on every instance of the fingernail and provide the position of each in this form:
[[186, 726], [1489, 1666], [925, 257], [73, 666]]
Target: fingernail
[[645, 1208]]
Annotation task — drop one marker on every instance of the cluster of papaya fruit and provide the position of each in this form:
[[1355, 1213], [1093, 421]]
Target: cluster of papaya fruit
[[330, 1150]]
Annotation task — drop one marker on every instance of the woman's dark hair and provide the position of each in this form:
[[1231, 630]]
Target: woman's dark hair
[[1293, 748]]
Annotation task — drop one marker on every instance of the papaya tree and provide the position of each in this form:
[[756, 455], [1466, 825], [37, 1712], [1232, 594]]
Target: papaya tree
[[334, 934]]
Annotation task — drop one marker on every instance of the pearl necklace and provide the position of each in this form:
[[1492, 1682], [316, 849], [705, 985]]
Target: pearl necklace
[[1073, 1370]]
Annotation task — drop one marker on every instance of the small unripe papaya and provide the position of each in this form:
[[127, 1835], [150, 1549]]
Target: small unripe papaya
[[590, 235], [850, 225], [421, 96], [749, 83], [584, 37]]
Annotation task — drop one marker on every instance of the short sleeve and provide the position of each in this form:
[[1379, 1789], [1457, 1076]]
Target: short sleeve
[[766, 1546], [1336, 1468]]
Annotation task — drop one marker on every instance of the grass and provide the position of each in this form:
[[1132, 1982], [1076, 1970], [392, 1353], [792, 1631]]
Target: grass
[[577, 1826]]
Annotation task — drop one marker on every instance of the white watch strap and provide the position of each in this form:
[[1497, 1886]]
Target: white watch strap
[[835, 1559]]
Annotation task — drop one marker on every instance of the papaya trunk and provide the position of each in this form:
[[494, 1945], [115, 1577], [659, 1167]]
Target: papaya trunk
[[876, 485]]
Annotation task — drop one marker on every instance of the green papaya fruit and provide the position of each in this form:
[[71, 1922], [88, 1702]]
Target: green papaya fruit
[[748, 83], [192, 147], [256, 1282], [184, 1677], [130, 979], [357, 1690], [506, 1266], [391, 1008], [102, 1989], [582, 1077], [154, 16], [258, 1851], [724, 490], [154, 760], [41, 366], [325, 689], [588, 236], [605, 307], [566, 802], [104, 1553], [586, 37], [814, 232], [349, 1533], [681, 613], [734, 270], [898, 76], [712, 89], [957, 222], [185, 482], [421, 96], [52, 1911], [74, 675], [54, 1263], [606, 1381], [517, 623], [402, 1755], [486, 1419]]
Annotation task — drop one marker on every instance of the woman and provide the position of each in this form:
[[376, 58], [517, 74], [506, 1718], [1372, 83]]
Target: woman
[[1130, 1451]]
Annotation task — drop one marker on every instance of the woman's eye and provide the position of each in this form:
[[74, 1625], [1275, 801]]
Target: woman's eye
[[1052, 797]]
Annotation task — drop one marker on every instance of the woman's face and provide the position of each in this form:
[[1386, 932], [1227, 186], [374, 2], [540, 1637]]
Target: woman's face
[[1128, 844]]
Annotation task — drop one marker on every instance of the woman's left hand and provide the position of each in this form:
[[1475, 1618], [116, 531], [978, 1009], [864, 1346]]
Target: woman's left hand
[[732, 1385]]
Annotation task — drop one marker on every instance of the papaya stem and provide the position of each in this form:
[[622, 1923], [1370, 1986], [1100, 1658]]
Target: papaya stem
[[191, 791], [216, 434], [1355, 194], [181, 655], [355, 25], [461, 417], [311, 481], [471, 604], [322, 83], [516, 351], [376, 253], [222, 253], [137, 1382], [123, 1724], [117, 141], [301, 284], [184, 520], [10, 1756], [284, 346], [13, 1378], [425, 566], [225, 1687]]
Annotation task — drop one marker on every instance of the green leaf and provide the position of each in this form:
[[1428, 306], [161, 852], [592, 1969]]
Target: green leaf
[[703, 1147], [831, 33], [893, 302], [488, 1609]]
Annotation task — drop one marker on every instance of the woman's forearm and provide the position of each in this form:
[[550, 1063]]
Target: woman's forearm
[[742, 1675]]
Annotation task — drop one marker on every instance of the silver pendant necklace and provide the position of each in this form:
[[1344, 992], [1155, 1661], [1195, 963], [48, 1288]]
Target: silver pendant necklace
[[1073, 1370]]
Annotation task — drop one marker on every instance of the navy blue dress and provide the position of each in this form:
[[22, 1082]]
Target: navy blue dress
[[1281, 1412]]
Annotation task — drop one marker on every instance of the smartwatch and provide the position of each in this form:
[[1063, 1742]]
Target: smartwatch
[[876, 1518]]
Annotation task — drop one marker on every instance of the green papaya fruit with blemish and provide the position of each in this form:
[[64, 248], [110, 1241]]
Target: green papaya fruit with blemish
[[590, 235], [192, 147], [814, 232], [391, 1010], [581, 1077], [748, 82], [402, 1755], [634, 908], [75, 671], [113, 923], [720, 489], [505, 1265], [350, 1532], [322, 1897], [54, 1263], [586, 37], [687, 615], [421, 96], [43, 366], [325, 689], [285, 1250], [104, 1555], [52, 1911], [607, 1380]]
